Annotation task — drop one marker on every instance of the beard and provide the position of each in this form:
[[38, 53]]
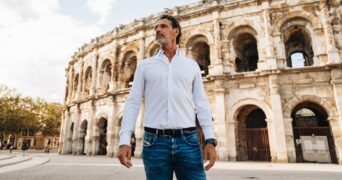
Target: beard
[[161, 40]]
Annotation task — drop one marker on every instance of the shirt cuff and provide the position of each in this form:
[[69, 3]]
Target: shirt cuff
[[208, 132], [125, 139]]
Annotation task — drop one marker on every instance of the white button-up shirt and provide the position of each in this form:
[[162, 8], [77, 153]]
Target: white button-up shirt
[[173, 94]]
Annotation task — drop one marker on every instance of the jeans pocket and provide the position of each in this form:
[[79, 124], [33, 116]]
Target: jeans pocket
[[149, 140], [191, 139]]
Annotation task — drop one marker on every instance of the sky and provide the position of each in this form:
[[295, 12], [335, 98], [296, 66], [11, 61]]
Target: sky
[[38, 37]]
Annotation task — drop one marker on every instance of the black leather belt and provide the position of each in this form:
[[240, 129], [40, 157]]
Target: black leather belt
[[170, 132]]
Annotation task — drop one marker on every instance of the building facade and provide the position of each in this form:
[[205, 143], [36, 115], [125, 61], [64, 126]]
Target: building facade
[[272, 71]]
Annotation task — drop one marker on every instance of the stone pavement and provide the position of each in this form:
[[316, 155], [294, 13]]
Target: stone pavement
[[38, 160]]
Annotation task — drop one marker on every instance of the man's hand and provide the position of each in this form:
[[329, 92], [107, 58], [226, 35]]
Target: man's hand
[[209, 154], [125, 155]]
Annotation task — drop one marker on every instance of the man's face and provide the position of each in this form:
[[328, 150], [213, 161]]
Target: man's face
[[165, 34]]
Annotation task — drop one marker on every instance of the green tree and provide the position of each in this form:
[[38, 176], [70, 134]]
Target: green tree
[[18, 113]]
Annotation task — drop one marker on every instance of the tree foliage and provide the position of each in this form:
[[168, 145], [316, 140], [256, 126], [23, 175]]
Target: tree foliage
[[19, 113]]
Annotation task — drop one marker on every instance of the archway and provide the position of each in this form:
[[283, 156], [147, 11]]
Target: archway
[[88, 80], [105, 74], [83, 133], [102, 126], [70, 142], [199, 49], [312, 134], [128, 67], [252, 135]]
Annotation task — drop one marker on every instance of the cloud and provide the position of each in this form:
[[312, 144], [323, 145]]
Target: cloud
[[102, 8], [36, 43]]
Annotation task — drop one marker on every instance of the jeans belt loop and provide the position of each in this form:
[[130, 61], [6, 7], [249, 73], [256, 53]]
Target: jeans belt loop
[[157, 131], [182, 132]]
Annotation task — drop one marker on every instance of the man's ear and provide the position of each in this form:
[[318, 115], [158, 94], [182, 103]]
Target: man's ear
[[177, 31]]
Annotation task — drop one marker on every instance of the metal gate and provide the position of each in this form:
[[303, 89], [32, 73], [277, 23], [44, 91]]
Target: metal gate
[[258, 148], [314, 144]]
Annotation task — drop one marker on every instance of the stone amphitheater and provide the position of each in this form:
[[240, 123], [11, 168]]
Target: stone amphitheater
[[272, 70]]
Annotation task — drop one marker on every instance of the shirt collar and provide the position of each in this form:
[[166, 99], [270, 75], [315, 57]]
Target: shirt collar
[[161, 52]]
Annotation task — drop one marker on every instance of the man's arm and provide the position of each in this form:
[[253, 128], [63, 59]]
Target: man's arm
[[204, 117], [130, 114]]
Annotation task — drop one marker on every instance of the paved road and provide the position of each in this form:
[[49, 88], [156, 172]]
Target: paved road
[[103, 168]]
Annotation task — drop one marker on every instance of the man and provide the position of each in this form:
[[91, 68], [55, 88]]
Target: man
[[173, 92]]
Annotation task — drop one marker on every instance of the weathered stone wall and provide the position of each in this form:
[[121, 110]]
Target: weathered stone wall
[[250, 46]]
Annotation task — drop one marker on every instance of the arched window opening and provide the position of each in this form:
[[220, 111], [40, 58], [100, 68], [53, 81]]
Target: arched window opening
[[298, 46], [106, 73], [246, 51], [200, 51], [76, 83], [88, 80], [83, 133], [128, 67], [312, 134], [102, 126]]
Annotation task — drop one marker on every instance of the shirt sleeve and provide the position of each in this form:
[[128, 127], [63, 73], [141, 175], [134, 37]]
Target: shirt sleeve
[[202, 106], [132, 107]]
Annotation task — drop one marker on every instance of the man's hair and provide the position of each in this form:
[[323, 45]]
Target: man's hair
[[175, 24]]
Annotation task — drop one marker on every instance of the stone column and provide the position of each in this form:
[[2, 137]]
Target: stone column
[[141, 55], [231, 130], [280, 57], [289, 137], [75, 136], [79, 85], [336, 75], [92, 90], [271, 60], [277, 117], [111, 132], [90, 129], [69, 84], [333, 55], [216, 66], [220, 118], [63, 139], [113, 84]]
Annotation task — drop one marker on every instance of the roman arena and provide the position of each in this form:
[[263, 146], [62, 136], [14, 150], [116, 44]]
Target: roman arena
[[272, 72]]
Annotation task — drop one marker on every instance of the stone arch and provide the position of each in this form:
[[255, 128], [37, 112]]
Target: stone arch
[[293, 102], [128, 66], [152, 49], [280, 21], [298, 37], [310, 123], [75, 84], [88, 79], [126, 49], [243, 48], [250, 117], [232, 115], [198, 48], [105, 74]]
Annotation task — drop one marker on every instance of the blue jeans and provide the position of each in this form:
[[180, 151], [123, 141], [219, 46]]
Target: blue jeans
[[163, 155]]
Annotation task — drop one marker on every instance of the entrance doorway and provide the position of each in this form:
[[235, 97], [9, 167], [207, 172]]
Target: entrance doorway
[[102, 136], [83, 134], [252, 140], [312, 135]]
